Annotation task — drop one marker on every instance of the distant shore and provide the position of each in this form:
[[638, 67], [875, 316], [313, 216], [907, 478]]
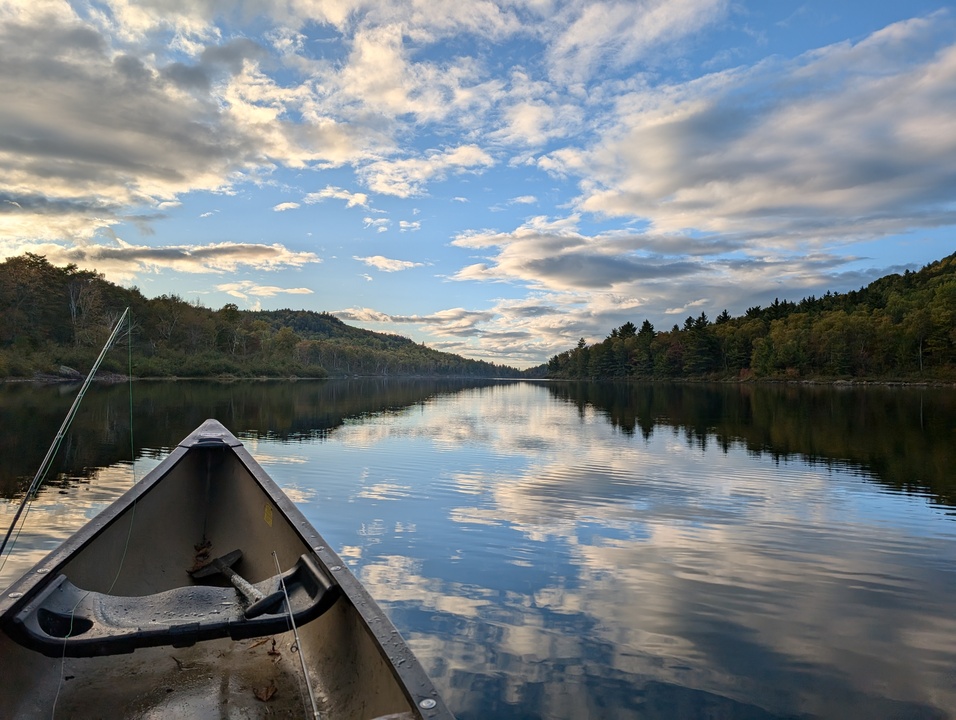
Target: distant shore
[[108, 378]]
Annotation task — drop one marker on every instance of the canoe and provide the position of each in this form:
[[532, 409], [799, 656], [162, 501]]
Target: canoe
[[203, 592]]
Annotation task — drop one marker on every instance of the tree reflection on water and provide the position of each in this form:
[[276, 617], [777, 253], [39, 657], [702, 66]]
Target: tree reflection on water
[[574, 550]]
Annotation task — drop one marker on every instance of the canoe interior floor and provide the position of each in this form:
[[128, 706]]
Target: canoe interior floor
[[219, 679], [355, 657]]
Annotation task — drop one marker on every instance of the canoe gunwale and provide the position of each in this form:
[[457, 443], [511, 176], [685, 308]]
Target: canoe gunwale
[[393, 650], [15, 597], [409, 670]]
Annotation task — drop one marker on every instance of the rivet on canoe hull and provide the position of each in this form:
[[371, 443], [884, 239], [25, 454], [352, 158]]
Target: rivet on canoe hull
[[427, 704], [16, 594]]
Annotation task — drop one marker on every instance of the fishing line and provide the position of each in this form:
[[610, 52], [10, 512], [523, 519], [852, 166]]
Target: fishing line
[[132, 457], [295, 634], [132, 517], [48, 458]]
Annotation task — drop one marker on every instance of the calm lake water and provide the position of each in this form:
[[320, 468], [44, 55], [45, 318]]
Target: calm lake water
[[585, 551]]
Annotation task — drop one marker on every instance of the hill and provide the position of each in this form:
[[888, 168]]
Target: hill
[[61, 316], [900, 327]]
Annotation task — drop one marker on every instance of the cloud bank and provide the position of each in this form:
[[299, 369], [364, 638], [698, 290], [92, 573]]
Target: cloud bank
[[662, 180]]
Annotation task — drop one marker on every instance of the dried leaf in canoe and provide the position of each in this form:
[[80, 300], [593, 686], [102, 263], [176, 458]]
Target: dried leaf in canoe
[[202, 555], [265, 693]]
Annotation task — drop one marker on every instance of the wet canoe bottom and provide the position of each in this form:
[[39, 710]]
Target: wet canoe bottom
[[215, 679], [249, 679]]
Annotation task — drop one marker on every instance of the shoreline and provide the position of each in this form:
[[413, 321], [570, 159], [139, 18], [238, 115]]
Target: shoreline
[[115, 378]]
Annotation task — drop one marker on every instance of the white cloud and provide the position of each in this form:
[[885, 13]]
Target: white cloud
[[554, 255], [244, 289], [388, 264], [337, 193], [95, 127], [382, 74], [840, 144], [452, 322], [406, 178], [600, 281], [379, 224], [615, 33], [531, 111], [114, 113], [124, 261], [687, 307], [363, 314], [519, 332]]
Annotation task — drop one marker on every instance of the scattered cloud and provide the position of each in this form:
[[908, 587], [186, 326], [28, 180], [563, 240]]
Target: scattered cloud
[[123, 261], [835, 145], [452, 320], [552, 254], [655, 170], [378, 224], [99, 125], [688, 307], [610, 34], [407, 178], [330, 192], [387, 264], [246, 289], [519, 332]]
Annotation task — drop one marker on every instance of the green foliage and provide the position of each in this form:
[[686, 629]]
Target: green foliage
[[898, 327], [51, 317]]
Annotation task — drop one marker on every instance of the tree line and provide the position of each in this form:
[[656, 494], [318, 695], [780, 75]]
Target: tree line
[[902, 326], [61, 316]]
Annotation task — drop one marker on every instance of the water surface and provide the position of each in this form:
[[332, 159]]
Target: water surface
[[576, 550]]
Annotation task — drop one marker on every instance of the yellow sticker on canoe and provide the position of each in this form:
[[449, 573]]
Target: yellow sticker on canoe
[[267, 515]]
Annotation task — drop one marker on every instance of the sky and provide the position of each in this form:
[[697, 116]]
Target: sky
[[494, 179]]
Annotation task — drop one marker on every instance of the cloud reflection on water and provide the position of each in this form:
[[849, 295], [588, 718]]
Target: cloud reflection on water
[[654, 567], [56, 514], [545, 559]]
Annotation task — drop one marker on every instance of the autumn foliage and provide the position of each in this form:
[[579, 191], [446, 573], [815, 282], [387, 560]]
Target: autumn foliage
[[898, 327]]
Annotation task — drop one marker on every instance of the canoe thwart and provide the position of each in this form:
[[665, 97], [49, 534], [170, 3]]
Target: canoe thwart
[[259, 603], [64, 619], [216, 566]]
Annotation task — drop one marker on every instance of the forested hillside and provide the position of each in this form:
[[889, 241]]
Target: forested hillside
[[54, 316], [898, 327]]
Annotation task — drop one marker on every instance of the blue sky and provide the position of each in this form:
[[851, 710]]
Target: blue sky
[[496, 179]]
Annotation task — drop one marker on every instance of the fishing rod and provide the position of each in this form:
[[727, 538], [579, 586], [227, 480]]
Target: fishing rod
[[48, 459]]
